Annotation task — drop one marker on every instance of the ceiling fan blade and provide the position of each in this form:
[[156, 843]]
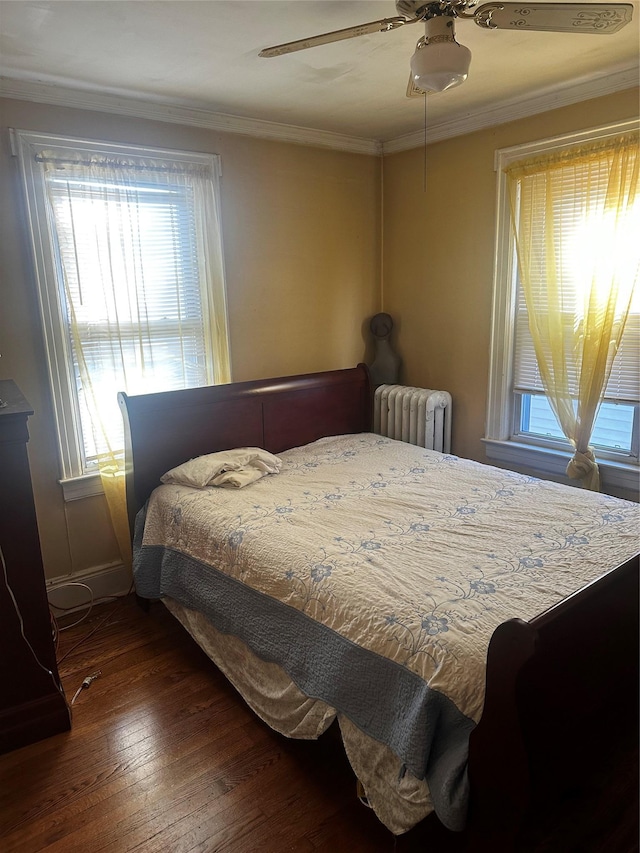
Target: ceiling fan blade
[[602, 18], [382, 26]]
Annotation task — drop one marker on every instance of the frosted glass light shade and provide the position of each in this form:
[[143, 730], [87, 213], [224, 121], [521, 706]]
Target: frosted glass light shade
[[440, 66]]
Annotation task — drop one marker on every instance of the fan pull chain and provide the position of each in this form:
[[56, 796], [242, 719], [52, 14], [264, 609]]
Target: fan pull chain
[[424, 188]]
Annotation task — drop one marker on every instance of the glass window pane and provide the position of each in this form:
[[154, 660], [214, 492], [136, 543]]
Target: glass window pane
[[613, 429]]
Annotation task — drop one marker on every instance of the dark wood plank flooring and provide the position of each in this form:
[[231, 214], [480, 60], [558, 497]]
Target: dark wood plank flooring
[[164, 755]]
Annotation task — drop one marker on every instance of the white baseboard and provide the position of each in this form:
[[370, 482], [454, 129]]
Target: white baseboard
[[113, 579]]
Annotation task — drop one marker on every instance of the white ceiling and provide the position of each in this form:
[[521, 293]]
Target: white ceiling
[[204, 55]]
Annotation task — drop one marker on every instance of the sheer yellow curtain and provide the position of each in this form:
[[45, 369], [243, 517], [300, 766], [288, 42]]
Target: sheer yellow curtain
[[576, 217], [140, 253]]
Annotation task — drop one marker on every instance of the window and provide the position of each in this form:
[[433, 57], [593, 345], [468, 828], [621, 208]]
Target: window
[[522, 428], [613, 430], [128, 258]]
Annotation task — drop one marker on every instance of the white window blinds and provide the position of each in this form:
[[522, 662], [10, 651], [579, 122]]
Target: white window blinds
[[589, 243], [624, 382]]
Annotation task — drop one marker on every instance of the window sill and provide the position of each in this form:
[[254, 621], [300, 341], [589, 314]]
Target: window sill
[[541, 461], [77, 488]]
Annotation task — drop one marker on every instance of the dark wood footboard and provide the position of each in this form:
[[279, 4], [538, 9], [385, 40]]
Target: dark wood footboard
[[561, 700]]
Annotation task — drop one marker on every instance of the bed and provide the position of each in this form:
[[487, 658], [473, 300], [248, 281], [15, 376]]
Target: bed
[[469, 645]]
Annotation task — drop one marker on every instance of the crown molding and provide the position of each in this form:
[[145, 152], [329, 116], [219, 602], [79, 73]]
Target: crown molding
[[514, 109], [469, 122], [62, 96]]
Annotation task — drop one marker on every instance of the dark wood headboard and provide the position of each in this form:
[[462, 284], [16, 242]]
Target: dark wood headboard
[[163, 430]]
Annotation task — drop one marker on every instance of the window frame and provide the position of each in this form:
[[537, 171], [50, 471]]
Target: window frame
[[75, 482], [503, 441]]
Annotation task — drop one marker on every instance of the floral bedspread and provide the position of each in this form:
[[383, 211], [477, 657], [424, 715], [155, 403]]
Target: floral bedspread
[[375, 573]]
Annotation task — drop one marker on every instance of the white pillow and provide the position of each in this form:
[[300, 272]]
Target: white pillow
[[201, 471]]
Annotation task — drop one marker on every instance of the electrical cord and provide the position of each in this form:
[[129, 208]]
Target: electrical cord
[[87, 682], [44, 668], [102, 622], [74, 606], [89, 604], [55, 631]]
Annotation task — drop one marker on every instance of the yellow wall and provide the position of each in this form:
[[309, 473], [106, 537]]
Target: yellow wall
[[302, 249], [439, 252], [302, 244]]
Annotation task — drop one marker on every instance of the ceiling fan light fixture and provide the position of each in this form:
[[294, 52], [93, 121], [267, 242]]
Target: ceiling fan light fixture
[[439, 62], [437, 67]]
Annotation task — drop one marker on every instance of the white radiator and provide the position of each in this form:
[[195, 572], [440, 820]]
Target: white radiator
[[415, 415]]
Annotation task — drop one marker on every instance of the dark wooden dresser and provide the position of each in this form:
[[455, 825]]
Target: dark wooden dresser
[[32, 703]]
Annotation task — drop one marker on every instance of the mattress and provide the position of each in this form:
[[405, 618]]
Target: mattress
[[373, 574]]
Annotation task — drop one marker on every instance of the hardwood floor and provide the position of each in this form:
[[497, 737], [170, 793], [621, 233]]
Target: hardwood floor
[[164, 755]]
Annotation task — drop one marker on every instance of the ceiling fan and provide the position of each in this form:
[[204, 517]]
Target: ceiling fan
[[439, 62]]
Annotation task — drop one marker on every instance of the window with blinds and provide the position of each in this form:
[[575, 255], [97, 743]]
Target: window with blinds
[[587, 247], [128, 253], [104, 240], [566, 221]]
